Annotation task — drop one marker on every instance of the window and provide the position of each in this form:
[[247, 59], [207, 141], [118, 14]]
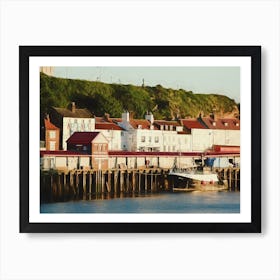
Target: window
[[150, 139], [52, 145], [143, 139], [52, 134], [156, 139], [226, 124]]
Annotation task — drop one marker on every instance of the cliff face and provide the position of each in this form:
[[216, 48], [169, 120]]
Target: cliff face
[[165, 103]]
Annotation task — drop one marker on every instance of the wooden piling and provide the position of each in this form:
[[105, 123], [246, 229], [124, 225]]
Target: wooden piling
[[109, 188], [230, 178]]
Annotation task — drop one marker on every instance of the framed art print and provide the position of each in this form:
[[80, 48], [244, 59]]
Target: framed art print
[[140, 138]]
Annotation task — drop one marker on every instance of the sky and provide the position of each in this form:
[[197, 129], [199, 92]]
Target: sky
[[218, 80]]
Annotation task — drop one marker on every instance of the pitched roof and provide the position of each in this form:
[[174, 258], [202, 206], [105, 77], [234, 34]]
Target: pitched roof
[[82, 137], [230, 124], [163, 122], [135, 123], [192, 123], [78, 113], [233, 124], [107, 126], [49, 125]]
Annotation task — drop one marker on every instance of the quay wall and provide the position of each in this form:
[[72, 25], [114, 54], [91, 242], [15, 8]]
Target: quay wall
[[83, 184]]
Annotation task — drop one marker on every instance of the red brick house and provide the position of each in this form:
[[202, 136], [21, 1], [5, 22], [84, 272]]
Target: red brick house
[[51, 135], [92, 143]]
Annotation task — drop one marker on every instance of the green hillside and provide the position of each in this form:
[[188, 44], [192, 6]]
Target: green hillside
[[100, 98]]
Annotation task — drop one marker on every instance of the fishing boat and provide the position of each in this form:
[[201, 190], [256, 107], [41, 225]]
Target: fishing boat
[[194, 180]]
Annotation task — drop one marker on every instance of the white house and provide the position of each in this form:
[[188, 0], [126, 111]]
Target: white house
[[206, 132], [111, 131], [71, 120], [149, 135]]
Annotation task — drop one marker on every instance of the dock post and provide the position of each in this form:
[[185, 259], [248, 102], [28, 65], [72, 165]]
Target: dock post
[[235, 179], [146, 181], [51, 188], [133, 181], [96, 182], [109, 182], [121, 181], [127, 181], [102, 182], [139, 181], [71, 184], [115, 180], [230, 178], [84, 184], [89, 185]]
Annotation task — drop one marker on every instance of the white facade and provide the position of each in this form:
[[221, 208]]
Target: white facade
[[71, 125], [155, 140], [164, 139], [204, 139], [114, 138], [64, 162]]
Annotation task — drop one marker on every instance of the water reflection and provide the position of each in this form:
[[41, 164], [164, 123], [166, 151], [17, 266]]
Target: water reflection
[[191, 202]]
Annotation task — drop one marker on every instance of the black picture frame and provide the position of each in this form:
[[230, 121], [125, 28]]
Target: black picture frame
[[254, 52]]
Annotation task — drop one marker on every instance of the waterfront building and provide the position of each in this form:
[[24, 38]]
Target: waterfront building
[[111, 131], [95, 144], [70, 120], [51, 135], [208, 131], [222, 156], [149, 135]]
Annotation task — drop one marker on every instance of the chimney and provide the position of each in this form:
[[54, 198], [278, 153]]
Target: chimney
[[73, 107], [107, 117], [149, 117], [213, 114], [125, 116], [47, 117]]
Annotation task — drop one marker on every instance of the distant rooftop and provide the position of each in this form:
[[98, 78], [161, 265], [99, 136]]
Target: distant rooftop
[[73, 112]]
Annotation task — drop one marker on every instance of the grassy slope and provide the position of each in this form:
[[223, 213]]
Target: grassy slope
[[100, 97]]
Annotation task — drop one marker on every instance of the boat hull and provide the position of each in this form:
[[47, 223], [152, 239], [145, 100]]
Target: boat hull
[[189, 182]]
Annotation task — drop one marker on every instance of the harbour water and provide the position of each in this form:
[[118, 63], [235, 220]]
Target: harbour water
[[167, 202]]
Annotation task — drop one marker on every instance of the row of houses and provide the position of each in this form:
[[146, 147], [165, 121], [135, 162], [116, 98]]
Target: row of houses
[[140, 135]]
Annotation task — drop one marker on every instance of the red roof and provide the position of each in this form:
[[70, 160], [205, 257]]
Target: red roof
[[231, 124], [49, 125], [162, 122], [225, 148], [62, 153], [107, 126], [126, 153], [144, 124], [82, 137], [192, 123]]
